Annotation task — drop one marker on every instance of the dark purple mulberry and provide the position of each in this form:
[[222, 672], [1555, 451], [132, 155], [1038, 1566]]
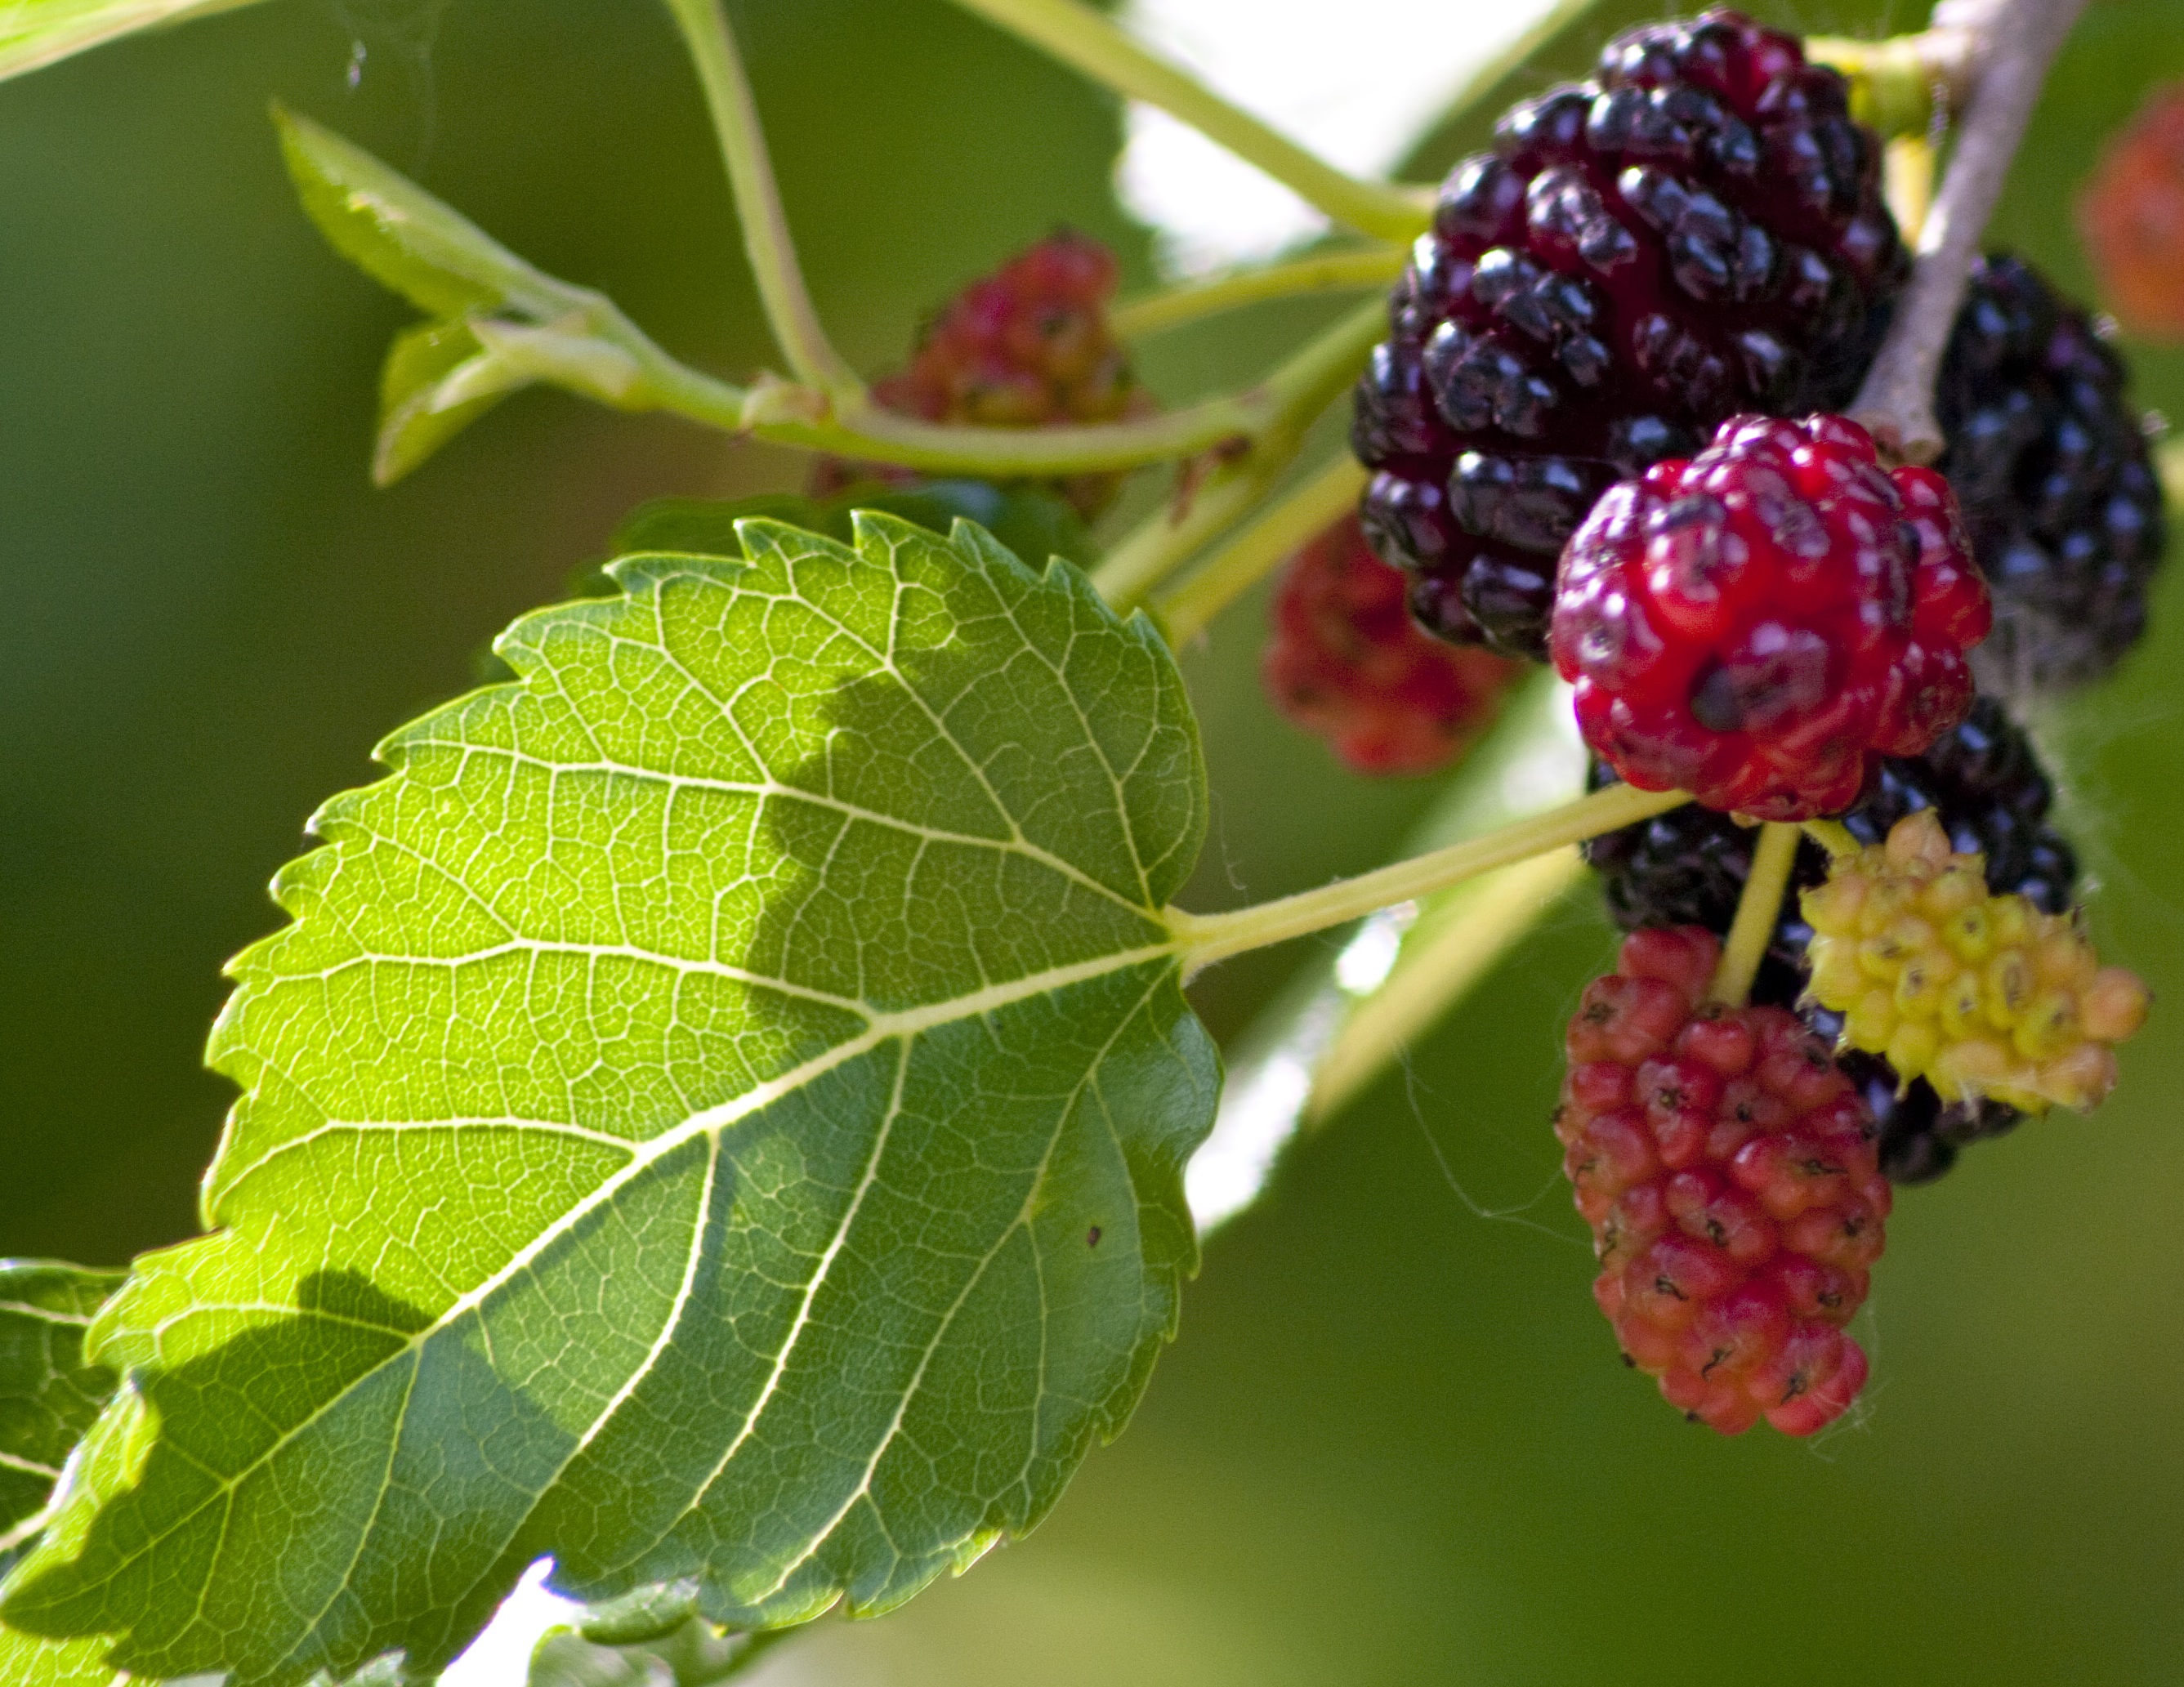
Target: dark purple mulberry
[[1688, 867], [1696, 232], [2051, 464]]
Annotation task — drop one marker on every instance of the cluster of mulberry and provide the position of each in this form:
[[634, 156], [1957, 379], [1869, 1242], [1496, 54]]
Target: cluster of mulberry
[[1982, 780], [1696, 232], [1600, 433]]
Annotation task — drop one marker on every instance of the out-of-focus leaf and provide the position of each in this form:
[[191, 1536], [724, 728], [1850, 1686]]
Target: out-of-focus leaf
[[693, 1654], [403, 237], [717, 1120], [36, 33], [438, 380], [500, 323], [48, 1395]]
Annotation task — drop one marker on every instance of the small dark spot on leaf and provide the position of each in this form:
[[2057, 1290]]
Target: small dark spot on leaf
[[1092, 1237]]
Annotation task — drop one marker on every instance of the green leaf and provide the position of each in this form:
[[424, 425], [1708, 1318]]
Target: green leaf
[[716, 1119], [404, 238], [36, 33], [693, 1654], [439, 379], [499, 323], [48, 1395]]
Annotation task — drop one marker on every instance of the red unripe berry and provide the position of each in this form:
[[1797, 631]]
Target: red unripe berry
[[2133, 218], [1755, 624], [1346, 661], [1728, 1173], [1028, 346]]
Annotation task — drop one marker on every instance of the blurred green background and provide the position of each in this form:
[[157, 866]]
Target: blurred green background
[[1393, 1444]]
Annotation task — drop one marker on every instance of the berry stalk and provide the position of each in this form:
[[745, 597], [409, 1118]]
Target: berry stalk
[[1184, 610], [1901, 85], [1340, 272], [2021, 38], [1096, 49], [1271, 415], [1756, 908], [1205, 938], [1185, 525], [772, 250], [1907, 174]]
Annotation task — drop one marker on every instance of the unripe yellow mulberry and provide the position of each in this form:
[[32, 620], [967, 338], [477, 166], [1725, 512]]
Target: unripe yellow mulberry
[[1981, 995]]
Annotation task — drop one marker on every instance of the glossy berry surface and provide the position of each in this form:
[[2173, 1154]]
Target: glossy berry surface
[[2050, 463], [1727, 1169], [1695, 233], [2132, 217], [1345, 661], [1755, 624], [1028, 346], [1980, 995], [1982, 778]]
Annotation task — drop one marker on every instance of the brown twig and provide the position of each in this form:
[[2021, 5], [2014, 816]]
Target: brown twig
[[2021, 40]]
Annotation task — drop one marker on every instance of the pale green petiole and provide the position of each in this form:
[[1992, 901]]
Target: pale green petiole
[[788, 413], [1184, 611], [1096, 48], [1205, 938], [1339, 271], [1172, 535], [781, 287]]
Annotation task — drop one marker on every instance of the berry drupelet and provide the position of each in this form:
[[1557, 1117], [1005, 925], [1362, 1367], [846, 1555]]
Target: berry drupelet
[[1345, 660], [1727, 1170], [2051, 465], [1028, 346], [1696, 231], [1755, 624], [1984, 781]]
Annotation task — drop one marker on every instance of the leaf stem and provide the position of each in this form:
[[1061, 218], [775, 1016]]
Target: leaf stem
[[2017, 43], [1498, 909], [1272, 414], [1359, 266], [1184, 611], [1275, 412], [1758, 909], [1096, 49], [1299, 391], [1205, 938], [789, 308]]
